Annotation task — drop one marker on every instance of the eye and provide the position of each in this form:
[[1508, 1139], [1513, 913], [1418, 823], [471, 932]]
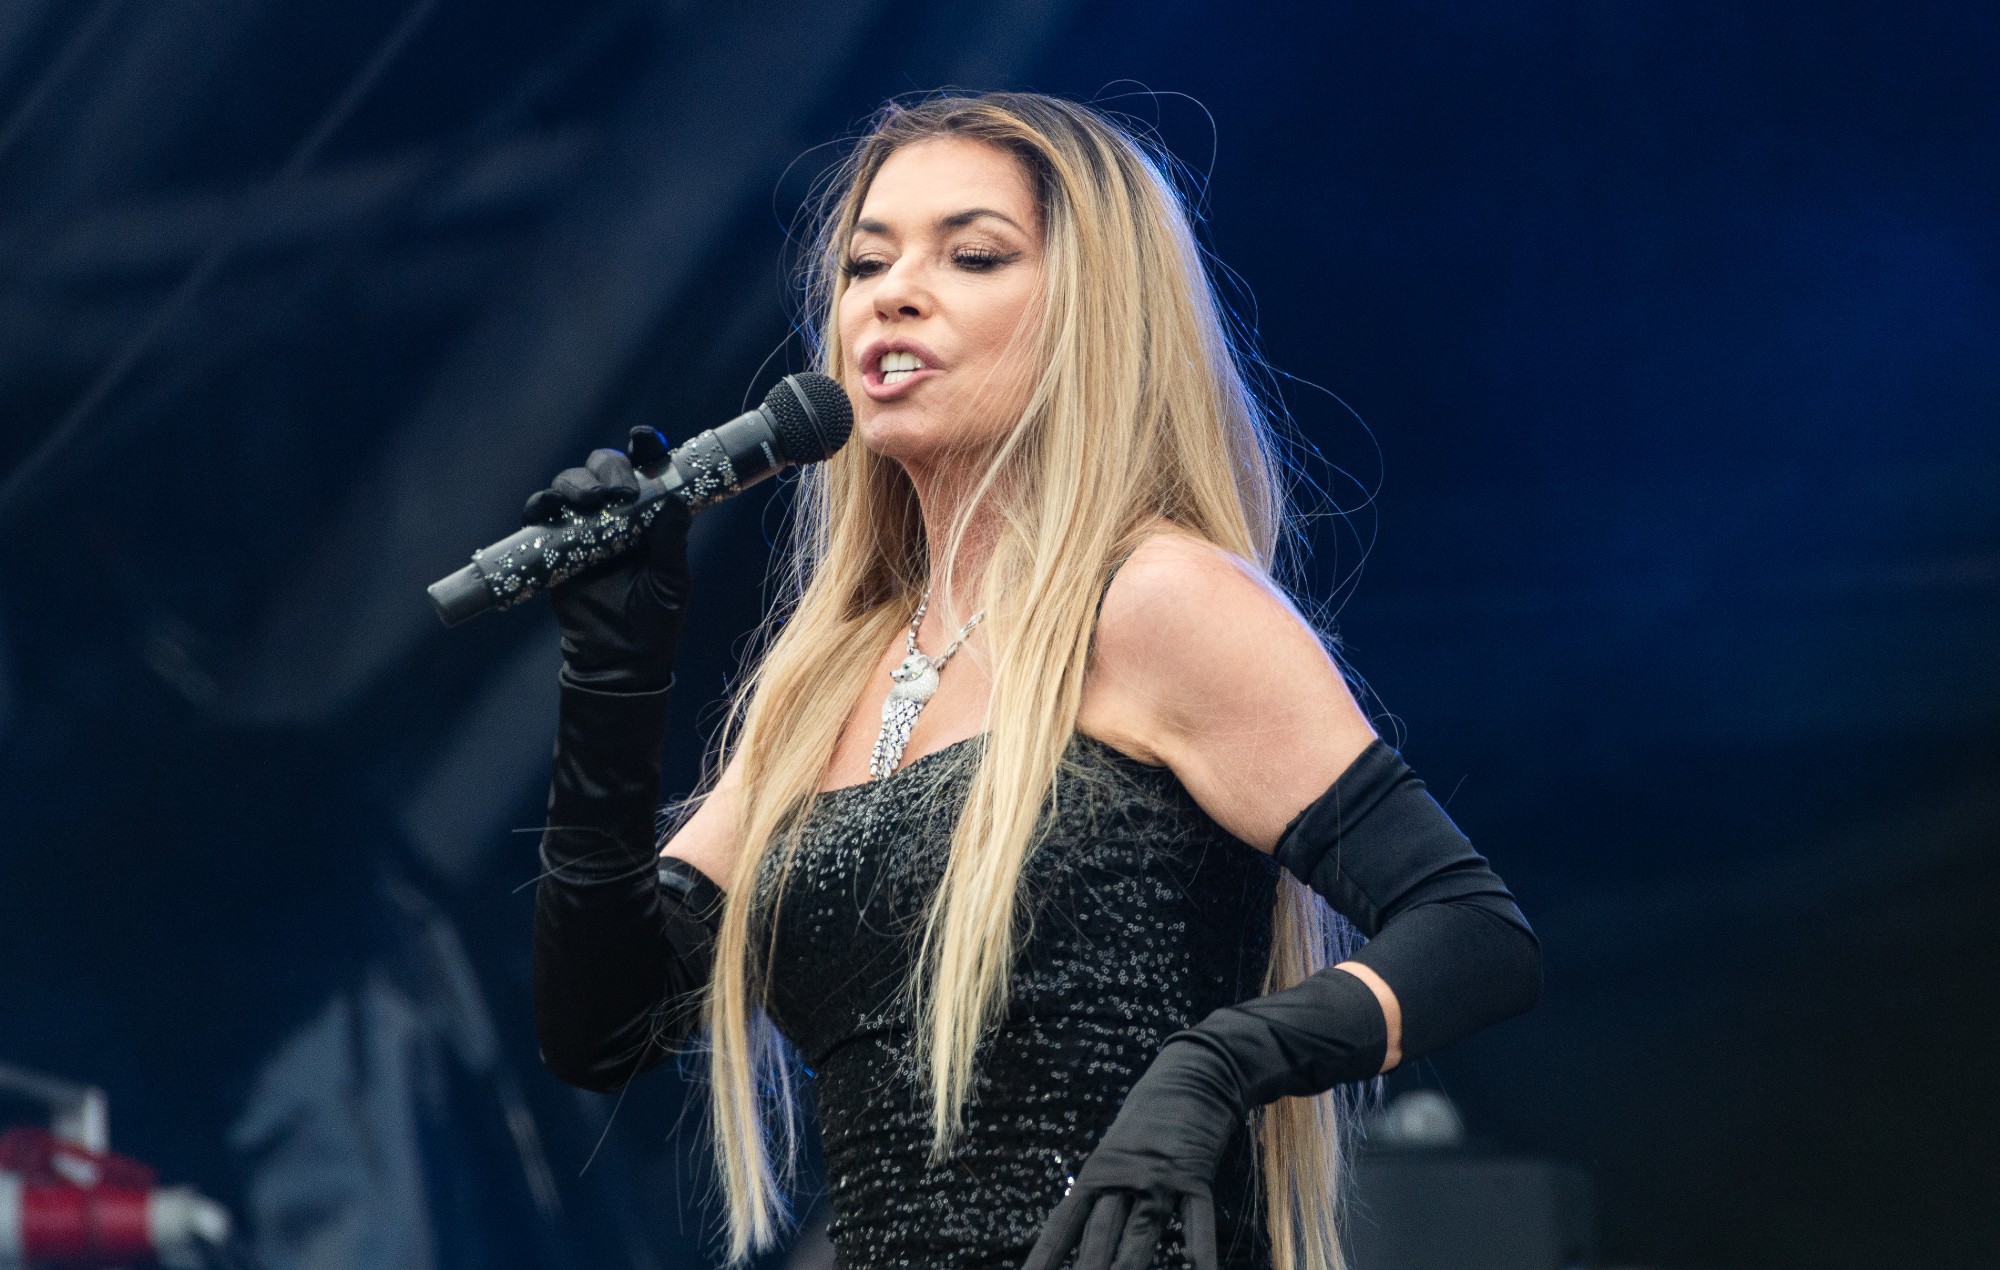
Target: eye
[[862, 268], [982, 259]]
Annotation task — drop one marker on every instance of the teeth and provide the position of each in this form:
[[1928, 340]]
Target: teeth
[[896, 376], [900, 361]]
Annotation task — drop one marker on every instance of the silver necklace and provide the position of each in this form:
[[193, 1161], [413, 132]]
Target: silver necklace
[[914, 683]]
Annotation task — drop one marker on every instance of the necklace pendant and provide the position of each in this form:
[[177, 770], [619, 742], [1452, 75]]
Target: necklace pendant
[[899, 715], [912, 685], [915, 680]]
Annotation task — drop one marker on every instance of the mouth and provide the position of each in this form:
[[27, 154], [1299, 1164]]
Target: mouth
[[896, 366], [891, 368]]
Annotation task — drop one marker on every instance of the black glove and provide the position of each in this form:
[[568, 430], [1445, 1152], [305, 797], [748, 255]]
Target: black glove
[[1444, 934], [624, 940], [620, 621], [1160, 1154]]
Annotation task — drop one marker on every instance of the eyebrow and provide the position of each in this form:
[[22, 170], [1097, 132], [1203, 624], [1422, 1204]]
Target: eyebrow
[[957, 220]]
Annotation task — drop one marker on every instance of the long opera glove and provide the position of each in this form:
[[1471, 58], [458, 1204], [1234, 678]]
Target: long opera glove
[[1444, 933]]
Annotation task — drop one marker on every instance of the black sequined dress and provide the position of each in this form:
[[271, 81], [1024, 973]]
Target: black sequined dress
[[1142, 915]]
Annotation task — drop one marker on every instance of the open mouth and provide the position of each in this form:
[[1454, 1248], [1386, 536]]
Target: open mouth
[[898, 366], [890, 368]]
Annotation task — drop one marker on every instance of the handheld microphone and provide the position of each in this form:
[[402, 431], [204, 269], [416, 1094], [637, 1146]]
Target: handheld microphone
[[804, 419]]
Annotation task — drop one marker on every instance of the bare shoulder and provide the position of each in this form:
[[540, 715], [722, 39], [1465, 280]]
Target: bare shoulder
[[1170, 569], [1190, 630], [1205, 665]]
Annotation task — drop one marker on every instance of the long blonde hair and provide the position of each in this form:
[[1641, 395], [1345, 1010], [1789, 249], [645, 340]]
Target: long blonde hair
[[1141, 411]]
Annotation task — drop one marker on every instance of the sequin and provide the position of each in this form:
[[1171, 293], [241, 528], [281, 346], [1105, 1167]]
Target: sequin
[[1140, 915]]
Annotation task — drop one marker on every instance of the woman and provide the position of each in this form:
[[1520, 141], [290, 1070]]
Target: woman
[[1048, 939]]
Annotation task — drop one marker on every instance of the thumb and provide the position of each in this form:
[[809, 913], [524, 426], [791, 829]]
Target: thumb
[[667, 570]]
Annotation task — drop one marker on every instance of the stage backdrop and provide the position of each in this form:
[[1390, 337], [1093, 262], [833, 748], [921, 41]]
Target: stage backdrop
[[1643, 355]]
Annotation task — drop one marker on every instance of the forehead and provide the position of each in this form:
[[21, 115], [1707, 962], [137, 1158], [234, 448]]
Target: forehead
[[925, 181]]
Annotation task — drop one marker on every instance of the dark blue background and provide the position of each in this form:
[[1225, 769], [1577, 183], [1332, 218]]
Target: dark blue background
[[1674, 324]]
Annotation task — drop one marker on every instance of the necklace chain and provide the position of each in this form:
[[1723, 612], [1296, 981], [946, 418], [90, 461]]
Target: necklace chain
[[952, 647], [912, 685]]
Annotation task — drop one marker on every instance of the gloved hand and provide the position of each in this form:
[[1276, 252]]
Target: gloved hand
[[620, 621], [1444, 934], [1157, 1159], [623, 940], [1160, 1155]]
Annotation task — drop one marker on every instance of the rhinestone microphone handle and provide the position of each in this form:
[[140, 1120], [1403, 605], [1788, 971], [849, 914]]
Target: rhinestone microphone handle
[[522, 564]]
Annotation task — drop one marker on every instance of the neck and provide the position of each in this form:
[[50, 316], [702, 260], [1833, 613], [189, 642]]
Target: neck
[[943, 490]]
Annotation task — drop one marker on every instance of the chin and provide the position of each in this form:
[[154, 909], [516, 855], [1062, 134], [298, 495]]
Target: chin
[[912, 431], [897, 440], [898, 428]]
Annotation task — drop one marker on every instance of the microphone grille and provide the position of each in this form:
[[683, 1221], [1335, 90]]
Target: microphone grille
[[811, 415]]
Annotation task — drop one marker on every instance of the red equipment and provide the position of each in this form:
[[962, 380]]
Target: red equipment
[[67, 1201]]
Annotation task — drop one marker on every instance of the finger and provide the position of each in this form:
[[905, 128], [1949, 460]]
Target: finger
[[667, 571], [674, 516], [579, 488], [1198, 1232], [1100, 1237], [645, 447], [614, 473], [545, 507], [1059, 1232], [1142, 1236]]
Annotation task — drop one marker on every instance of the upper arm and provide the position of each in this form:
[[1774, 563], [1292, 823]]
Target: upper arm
[[707, 839], [1227, 684]]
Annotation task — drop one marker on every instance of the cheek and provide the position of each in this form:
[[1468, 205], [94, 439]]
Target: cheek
[[850, 321], [1010, 332]]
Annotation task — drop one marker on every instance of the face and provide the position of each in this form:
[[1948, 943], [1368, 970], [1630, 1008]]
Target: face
[[939, 320]]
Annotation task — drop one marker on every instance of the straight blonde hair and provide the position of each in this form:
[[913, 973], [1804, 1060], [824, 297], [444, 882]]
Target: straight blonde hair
[[1141, 411]]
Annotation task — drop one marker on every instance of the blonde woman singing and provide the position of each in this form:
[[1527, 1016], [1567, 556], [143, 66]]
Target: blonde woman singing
[[1046, 822]]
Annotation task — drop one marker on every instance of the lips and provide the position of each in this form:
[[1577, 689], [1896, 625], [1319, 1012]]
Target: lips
[[872, 373]]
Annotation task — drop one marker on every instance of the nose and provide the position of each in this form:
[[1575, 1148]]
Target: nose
[[900, 291]]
